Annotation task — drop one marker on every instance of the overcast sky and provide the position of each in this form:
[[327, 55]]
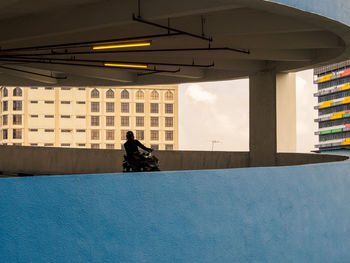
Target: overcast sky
[[219, 111]]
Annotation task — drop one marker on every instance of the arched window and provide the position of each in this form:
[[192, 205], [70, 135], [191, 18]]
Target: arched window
[[6, 92], [169, 95], [17, 92], [95, 93], [110, 94], [140, 95], [155, 95], [125, 94]]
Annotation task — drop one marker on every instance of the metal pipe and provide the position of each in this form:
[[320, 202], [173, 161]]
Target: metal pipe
[[114, 61], [85, 44], [42, 61], [138, 19], [244, 51]]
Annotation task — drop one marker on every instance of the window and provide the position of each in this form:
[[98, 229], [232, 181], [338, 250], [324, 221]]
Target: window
[[34, 102], [140, 122], [169, 135], [95, 146], [17, 144], [65, 88], [109, 106], [33, 144], [140, 135], [49, 88], [4, 134], [124, 94], [140, 95], [6, 92], [80, 130], [110, 134], [5, 105], [5, 120], [169, 108], [123, 135], [80, 117], [124, 107], [169, 95], [17, 92], [139, 108], [154, 135], [110, 94], [65, 144], [17, 105], [33, 130], [49, 102], [33, 87], [154, 107], [48, 144], [109, 146], [155, 146], [95, 94], [17, 133], [109, 120], [34, 116], [124, 121], [95, 106], [65, 116], [49, 116], [154, 122], [169, 122], [65, 102], [17, 119], [49, 130], [154, 95], [169, 147], [66, 130], [95, 120], [80, 102], [81, 144], [81, 88], [95, 134]]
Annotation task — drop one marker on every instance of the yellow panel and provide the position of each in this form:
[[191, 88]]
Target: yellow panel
[[335, 117], [326, 104], [345, 143], [325, 78], [345, 87]]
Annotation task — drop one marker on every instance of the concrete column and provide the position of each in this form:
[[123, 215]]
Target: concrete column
[[262, 119], [286, 112]]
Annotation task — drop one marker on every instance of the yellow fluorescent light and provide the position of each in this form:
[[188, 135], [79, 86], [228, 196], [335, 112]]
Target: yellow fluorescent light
[[125, 45], [125, 65]]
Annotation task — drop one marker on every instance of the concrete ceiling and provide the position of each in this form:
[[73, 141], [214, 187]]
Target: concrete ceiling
[[271, 36]]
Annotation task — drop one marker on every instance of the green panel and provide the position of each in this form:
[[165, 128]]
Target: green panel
[[337, 130], [346, 115], [325, 132]]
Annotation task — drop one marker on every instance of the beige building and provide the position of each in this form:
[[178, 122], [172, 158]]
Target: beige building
[[89, 117]]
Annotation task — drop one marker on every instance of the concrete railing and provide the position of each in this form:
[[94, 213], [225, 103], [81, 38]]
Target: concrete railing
[[42, 160]]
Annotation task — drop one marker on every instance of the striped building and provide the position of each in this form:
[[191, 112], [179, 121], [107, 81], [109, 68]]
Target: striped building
[[333, 107]]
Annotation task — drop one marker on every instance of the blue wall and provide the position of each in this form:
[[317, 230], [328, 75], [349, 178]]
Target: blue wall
[[282, 214], [335, 9]]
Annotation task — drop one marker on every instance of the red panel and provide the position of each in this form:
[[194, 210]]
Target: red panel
[[345, 73], [347, 125]]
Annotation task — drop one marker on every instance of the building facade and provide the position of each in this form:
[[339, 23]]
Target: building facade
[[89, 117], [333, 107]]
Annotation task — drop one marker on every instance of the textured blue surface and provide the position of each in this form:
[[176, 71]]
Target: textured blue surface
[[335, 9], [282, 214]]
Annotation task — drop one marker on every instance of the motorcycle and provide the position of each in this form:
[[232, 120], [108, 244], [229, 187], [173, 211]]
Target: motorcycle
[[145, 163]]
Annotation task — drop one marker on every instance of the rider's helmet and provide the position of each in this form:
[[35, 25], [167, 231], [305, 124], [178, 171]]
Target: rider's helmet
[[129, 135]]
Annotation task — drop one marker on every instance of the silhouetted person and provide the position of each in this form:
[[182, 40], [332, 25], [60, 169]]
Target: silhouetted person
[[134, 157]]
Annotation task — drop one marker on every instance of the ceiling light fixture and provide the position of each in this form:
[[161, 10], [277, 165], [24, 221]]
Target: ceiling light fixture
[[125, 65], [122, 45]]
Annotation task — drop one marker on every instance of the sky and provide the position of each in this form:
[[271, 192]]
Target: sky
[[219, 112]]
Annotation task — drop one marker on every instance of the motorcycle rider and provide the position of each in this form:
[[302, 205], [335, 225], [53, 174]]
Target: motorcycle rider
[[133, 156]]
